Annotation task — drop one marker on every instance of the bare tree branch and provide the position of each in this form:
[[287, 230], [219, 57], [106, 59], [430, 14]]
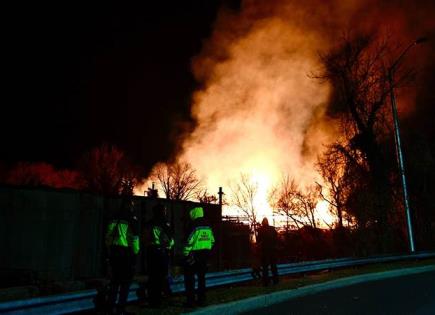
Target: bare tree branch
[[178, 181], [287, 199], [243, 194]]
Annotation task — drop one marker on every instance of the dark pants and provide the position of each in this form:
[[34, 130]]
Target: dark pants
[[122, 271], [198, 268], [269, 259], [157, 261]]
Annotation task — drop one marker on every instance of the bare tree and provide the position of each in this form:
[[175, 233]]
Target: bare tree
[[178, 181], [202, 195], [307, 202], [297, 205], [282, 198], [107, 170], [161, 174], [332, 166], [358, 72], [243, 194]]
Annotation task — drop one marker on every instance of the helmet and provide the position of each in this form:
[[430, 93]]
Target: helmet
[[197, 212]]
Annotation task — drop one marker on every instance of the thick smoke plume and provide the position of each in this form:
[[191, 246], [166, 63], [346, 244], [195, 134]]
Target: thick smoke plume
[[259, 111]]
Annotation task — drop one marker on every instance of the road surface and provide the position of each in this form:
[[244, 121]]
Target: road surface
[[413, 294]]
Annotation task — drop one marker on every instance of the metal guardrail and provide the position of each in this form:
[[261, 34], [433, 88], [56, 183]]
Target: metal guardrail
[[84, 300]]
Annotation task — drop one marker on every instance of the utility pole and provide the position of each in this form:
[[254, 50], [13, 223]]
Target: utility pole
[[399, 152], [220, 193]]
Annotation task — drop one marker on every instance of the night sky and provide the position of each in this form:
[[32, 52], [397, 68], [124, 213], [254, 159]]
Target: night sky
[[80, 74]]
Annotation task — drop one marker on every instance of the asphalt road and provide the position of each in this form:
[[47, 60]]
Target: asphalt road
[[413, 294]]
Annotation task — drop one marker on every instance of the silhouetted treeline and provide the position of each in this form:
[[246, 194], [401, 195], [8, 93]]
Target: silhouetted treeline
[[104, 170], [304, 244]]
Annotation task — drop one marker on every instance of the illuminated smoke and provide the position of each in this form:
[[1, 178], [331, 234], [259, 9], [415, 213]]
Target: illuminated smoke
[[259, 111], [257, 105]]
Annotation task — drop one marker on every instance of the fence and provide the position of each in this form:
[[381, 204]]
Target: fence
[[58, 234]]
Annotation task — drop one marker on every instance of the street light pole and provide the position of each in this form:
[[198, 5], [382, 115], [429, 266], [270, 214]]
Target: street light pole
[[401, 164], [398, 142]]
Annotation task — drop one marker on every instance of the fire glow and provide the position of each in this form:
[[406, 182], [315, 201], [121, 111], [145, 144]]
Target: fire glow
[[259, 112], [255, 112]]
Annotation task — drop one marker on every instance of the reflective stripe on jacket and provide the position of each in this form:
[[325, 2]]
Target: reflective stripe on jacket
[[119, 234], [201, 238], [160, 238]]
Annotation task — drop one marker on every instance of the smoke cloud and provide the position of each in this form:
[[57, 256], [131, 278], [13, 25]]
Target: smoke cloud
[[259, 111]]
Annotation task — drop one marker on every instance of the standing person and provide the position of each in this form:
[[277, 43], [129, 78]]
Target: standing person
[[267, 239], [255, 261], [196, 251], [122, 243], [160, 244]]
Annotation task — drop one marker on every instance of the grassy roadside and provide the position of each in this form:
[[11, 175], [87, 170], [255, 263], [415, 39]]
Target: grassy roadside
[[254, 288]]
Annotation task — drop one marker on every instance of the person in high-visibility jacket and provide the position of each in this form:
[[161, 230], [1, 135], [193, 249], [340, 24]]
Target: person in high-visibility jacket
[[160, 242], [122, 243], [196, 251]]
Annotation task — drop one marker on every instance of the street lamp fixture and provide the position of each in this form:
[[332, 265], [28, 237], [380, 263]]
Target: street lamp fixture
[[398, 142]]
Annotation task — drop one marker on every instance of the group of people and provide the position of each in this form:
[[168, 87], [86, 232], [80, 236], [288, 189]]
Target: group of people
[[124, 243]]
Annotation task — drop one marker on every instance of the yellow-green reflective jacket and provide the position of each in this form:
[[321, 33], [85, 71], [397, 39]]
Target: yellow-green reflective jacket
[[119, 233], [160, 238], [201, 238]]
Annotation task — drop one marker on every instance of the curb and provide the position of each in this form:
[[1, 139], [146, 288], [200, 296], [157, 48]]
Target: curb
[[265, 300]]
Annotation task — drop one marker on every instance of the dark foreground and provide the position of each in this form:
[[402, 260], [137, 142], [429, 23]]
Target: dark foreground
[[413, 294]]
